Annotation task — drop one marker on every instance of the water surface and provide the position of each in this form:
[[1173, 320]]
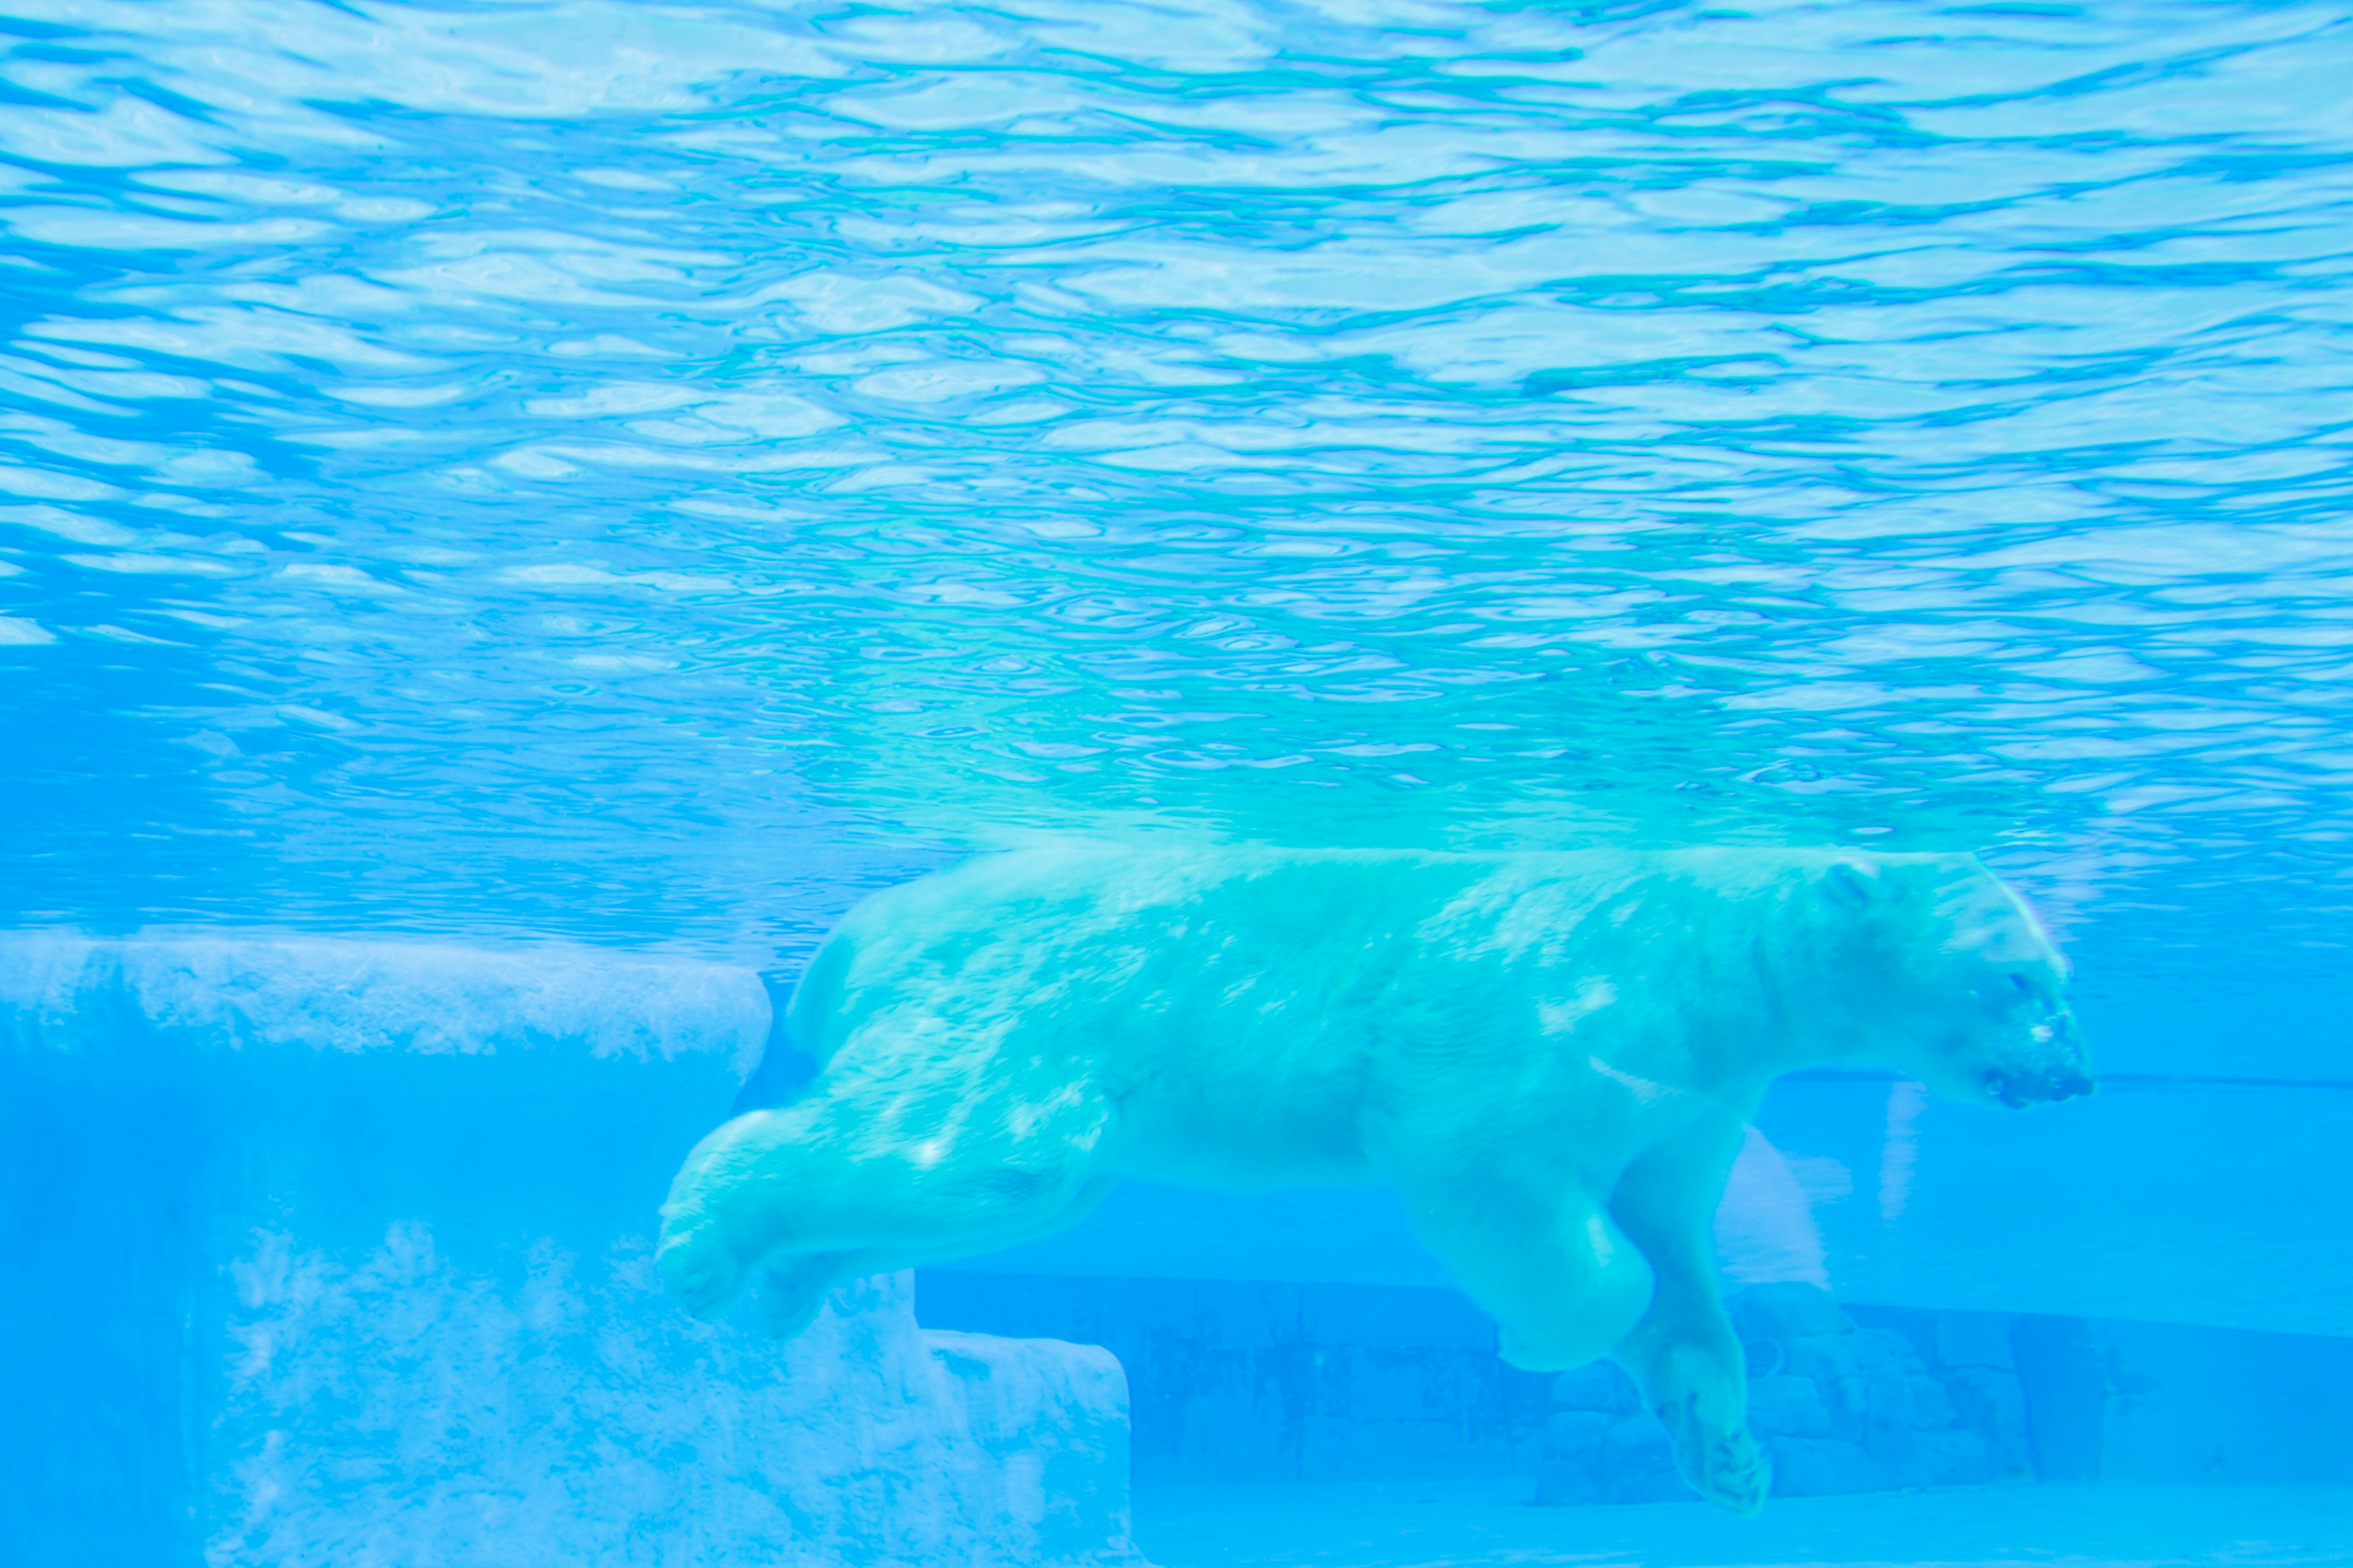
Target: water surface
[[617, 470]]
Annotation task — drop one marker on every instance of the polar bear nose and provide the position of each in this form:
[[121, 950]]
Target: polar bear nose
[[2070, 1085], [2019, 1091]]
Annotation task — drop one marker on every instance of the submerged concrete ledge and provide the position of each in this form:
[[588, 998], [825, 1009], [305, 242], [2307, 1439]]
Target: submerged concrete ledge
[[328, 1251]]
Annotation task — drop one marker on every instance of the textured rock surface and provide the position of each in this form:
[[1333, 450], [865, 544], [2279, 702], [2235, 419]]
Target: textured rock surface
[[338, 1253], [403, 1411]]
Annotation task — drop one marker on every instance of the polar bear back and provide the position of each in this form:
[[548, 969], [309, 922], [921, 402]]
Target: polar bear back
[[1249, 1008]]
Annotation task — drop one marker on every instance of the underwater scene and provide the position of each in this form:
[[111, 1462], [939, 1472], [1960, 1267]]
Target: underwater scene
[[1176, 783]]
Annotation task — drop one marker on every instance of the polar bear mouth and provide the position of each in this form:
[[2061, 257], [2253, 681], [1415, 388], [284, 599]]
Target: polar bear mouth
[[2019, 1091]]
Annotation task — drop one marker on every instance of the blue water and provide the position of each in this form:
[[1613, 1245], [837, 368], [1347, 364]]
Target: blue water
[[640, 475]]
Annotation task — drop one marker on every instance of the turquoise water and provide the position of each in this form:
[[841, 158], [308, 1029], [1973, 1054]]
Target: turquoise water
[[589, 467], [638, 476]]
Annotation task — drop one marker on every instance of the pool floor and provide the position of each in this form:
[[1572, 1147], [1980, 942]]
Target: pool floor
[[1462, 1524]]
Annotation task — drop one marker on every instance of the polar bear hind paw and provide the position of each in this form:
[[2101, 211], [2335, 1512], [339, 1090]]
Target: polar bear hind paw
[[791, 1295], [701, 1272]]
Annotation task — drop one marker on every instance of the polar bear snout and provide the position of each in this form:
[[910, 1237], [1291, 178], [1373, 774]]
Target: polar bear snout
[[2057, 1072]]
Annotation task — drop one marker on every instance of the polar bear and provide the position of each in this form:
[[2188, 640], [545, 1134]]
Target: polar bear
[[1553, 1057]]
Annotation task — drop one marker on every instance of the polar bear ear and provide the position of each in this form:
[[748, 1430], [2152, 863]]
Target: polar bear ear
[[1851, 885]]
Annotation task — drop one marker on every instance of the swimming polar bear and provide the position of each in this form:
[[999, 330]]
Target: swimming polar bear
[[1552, 1057]]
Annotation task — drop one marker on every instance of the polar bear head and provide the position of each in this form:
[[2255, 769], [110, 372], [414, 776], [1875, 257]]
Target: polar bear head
[[1950, 978]]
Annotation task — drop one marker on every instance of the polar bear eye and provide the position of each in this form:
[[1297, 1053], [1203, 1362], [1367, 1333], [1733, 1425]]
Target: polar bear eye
[[2021, 983]]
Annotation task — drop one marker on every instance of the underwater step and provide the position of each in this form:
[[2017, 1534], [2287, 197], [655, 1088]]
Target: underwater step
[[1476, 1524], [330, 1253]]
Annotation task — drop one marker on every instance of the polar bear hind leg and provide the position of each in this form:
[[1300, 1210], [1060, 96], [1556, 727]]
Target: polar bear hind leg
[[871, 1174], [793, 1290], [793, 1287]]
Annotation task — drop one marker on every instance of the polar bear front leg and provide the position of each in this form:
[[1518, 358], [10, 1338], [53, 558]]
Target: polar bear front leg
[[1562, 1283], [1683, 1354]]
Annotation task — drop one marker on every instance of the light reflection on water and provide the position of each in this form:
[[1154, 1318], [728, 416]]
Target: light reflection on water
[[615, 469]]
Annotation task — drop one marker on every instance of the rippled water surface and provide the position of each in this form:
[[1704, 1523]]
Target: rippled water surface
[[605, 469]]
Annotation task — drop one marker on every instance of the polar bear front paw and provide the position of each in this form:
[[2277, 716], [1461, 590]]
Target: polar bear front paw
[[701, 1270], [1730, 1470]]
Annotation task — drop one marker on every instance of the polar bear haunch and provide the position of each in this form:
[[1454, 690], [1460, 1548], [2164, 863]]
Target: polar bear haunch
[[1552, 1058]]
